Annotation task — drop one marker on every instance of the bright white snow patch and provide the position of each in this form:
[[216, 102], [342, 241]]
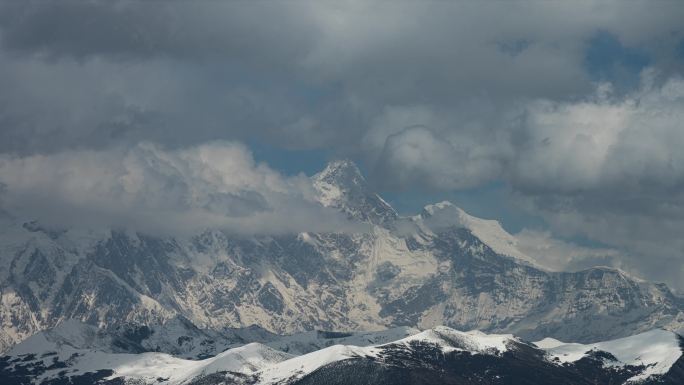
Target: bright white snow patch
[[656, 349], [473, 341], [300, 366], [245, 359], [148, 367], [329, 188]]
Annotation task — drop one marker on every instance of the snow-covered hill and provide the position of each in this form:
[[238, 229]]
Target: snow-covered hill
[[435, 356], [178, 337], [656, 351], [92, 366], [441, 267]]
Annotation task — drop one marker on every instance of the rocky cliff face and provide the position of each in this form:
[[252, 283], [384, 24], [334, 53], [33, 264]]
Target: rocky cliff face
[[442, 267]]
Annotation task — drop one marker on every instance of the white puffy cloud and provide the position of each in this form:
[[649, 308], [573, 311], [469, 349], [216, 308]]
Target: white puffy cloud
[[625, 150], [419, 156], [147, 188], [630, 141], [610, 168]]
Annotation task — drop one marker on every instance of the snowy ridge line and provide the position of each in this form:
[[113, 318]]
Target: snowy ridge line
[[444, 338], [449, 339], [657, 350], [490, 231], [57, 352]]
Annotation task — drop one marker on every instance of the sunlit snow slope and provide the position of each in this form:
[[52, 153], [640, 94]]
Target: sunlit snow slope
[[434, 356]]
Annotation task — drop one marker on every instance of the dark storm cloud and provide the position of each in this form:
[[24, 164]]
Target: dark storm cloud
[[431, 94], [96, 73], [256, 33], [300, 74]]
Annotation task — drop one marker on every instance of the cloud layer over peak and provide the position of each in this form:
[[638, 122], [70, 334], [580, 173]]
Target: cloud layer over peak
[[574, 108], [150, 189]]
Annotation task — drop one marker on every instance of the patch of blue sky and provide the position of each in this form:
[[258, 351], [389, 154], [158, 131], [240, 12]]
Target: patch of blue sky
[[608, 60]]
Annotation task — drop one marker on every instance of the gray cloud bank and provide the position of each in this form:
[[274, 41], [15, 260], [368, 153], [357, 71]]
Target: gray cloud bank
[[429, 95], [147, 188], [298, 74]]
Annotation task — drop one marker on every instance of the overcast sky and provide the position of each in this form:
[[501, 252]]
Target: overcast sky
[[565, 120]]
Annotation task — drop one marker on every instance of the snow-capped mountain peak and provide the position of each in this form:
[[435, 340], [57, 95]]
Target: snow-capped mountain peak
[[342, 172], [406, 271], [342, 186], [473, 341], [445, 214]]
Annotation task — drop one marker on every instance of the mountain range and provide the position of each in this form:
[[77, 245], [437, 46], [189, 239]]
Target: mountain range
[[439, 267], [75, 353]]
